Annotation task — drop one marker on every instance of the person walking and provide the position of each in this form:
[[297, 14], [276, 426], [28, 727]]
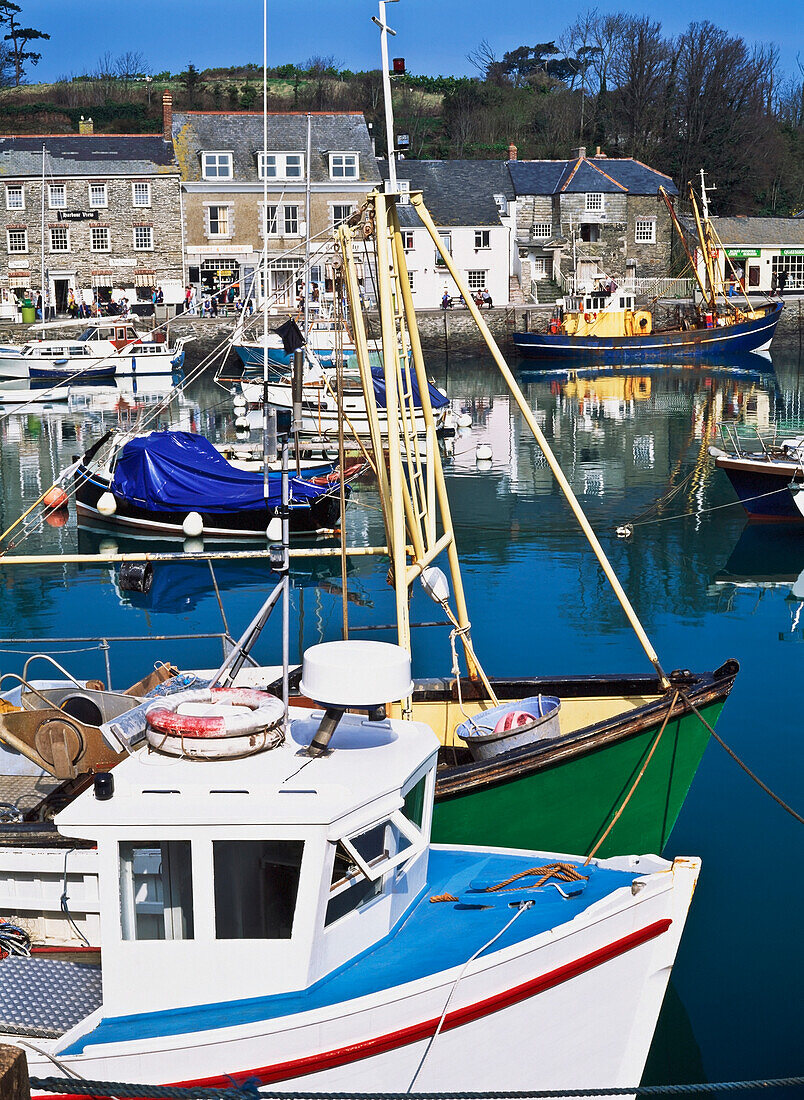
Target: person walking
[[192, 303]]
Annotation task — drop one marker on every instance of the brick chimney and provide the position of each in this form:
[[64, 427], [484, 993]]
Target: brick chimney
[[86, 126], [512, 151], [167, 116], [579, 153]]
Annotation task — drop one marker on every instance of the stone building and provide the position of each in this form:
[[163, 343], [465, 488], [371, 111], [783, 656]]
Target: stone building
[[594, 213], [223, 169], [109, 205], [472, 203]]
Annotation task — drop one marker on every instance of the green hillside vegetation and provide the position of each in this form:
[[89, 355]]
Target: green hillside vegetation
[[702, 99]]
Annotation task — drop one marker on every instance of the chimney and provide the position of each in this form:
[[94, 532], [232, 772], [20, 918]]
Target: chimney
[[85, 126], [167, 116], [598, 153], [512, 151], [579, 153]]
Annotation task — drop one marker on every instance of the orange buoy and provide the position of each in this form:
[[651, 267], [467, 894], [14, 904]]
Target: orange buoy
[[57, 519], [55, 498]]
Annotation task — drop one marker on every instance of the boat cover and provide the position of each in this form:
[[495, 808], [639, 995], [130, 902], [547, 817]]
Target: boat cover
[[183, 472], [437, 399]]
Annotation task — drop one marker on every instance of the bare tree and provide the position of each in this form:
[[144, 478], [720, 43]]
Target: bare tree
[[639, 67], [128, 66]]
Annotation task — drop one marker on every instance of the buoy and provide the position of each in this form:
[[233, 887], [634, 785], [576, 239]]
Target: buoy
[[242, 424], [240, 401], [107, 505], [273, 531], [193, 525], [484, 465], [56, 518], [625, 531], [464, 420], [193, 546], [483, 452], [107, 547], [55, 498]]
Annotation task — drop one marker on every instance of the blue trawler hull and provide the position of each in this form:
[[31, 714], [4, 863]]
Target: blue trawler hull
[[752, 335]]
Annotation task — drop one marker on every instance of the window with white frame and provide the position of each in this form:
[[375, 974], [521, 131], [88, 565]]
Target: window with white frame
[[404, 192], [57, 196], [143, 238], [17, 240], [645, 231], [542, 230], [156, 890], [269, 221], [362, 861], [281, 166], [216, 166], [482, 238], [341, 212], [141, 193], [218, 221], [344, 166], [59, 238], [15, 196], [407, 239], [412, 280], [99, 238], [594, 201], [97, 195], [446, 244], [291, 221], [476, 280]]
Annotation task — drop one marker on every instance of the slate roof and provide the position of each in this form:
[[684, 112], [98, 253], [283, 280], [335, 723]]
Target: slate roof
[[242, 133], [456, 192], [86, 155], [620, 175], [781, 232]]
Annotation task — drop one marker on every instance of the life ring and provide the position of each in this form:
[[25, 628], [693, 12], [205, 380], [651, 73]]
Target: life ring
[[263, 712], [554, 327], [334, 476]]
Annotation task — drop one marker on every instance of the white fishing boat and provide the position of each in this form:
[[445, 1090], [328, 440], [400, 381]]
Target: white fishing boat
[[104, 347], [270, 908]]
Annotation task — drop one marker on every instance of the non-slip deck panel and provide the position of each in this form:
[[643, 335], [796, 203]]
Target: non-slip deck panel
[[44, 998]]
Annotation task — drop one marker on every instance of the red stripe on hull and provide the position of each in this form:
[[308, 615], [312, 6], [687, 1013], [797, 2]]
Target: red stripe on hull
[[331, 1059]]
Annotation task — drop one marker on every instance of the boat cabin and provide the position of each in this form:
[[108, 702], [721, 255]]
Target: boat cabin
[[226, 879], [600, 313]]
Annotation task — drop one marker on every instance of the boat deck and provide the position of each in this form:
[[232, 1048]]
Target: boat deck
[[44, 997], [434, 937]]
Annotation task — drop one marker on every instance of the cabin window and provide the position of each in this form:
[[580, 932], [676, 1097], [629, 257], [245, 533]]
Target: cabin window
[[256, 883], [645, 231], [362, 859], [413, 808], [15, 196], [156, 890]]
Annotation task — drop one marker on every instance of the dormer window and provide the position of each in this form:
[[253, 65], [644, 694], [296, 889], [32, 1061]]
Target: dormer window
[[344, 166], [281, 166], [594, 202], [404, 192], [216, 166]]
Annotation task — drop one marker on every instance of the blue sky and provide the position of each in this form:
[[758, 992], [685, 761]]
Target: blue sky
[[434, 37]]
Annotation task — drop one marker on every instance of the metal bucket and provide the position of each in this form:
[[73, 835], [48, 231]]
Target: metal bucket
[[485, 743]]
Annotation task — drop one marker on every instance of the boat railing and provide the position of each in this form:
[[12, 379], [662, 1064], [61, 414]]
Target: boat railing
[[750, 439]]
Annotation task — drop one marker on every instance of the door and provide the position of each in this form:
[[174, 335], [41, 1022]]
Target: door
[[60, 289], [540, 268], [753, 274]]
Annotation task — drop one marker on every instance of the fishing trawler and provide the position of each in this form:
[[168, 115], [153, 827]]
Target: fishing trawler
[[601, 322]]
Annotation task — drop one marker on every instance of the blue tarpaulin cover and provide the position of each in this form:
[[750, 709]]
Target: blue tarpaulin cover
[[437, 399], [182, 472]]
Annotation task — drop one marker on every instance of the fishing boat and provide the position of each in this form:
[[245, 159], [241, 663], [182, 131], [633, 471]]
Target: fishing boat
[[602, 323], [324, 338], [104, 343], [178, 485], [62, 370], [269, 907], [765, 470]]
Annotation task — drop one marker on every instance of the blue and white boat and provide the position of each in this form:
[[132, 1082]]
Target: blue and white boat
[[271, 910]]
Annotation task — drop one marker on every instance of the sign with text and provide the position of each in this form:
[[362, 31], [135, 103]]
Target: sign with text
[[742, 253], [77, 215]]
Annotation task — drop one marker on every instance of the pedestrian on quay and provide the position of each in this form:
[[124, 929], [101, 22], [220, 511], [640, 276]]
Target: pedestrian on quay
[[192, 303], [486, 297], [781, 282], [445, 300]]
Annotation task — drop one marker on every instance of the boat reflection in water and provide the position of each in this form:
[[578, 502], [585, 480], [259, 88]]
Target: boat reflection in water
[[766, 558]]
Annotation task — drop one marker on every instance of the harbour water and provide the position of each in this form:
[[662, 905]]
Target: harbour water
[[705, 587]]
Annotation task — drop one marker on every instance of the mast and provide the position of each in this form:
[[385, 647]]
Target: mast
[[307, 236], [390, 140], [45, 291]]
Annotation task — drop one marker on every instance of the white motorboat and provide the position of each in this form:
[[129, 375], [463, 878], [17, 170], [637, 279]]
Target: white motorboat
[[107, 346]]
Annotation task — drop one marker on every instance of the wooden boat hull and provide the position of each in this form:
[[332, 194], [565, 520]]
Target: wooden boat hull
[[752, 335], [567, 790]]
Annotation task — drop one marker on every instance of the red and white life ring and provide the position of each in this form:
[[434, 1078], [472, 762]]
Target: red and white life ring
[[239, 720], [334, 476]]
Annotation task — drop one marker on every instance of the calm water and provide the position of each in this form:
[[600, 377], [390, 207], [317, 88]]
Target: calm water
[[705, 586]]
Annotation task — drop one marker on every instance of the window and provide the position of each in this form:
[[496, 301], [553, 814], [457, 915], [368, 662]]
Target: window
[[341, 212], [99, 238], [59, 239], [476, 280], [57, 196], [446, 244], [543, 230], [281, 166], [413, 807], [404, 192], [143, 238], [97, 194], [219, 221], [407, 240], [217, 166], [412, 280], [482, 238], [590, 232], [645, 231], [362, 860], [343, 166], [256, 883], [270, 221], [291, 221], [17, 240], [156, 890], [594, 201], [15, 196], [141, 194]]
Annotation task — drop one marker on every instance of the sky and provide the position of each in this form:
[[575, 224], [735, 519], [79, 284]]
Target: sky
[[434, 36]]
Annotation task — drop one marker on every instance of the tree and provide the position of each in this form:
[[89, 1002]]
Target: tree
[[6, 66], [191, 79], [19, 37], [130, 65], [248, 97]]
